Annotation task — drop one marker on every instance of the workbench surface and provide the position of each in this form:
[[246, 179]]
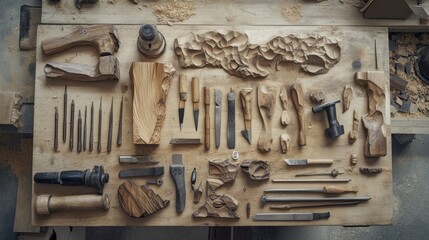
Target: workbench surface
[[357, 43]]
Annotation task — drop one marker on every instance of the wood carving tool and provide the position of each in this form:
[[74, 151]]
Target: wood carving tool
[[335, 129], [246, 104], [119, 139], [185, 141], [56, 129], [312, 180], [182, 94], [155, 181], [248, 209], [196, 100], [46, 204], [79, 133], [84, 132], [207, 118], [65, 115], [298, 162], [177, 171], [326, 189], [266, 199], [230, 133], [110, 131], [151, 42], [100, 115], [290, 216], [95, 178], [297, 96], [193, 177], [91, 128], [287, 207], [71, 125], [141, 172], [333, 173], [137, 159], [218, 111]]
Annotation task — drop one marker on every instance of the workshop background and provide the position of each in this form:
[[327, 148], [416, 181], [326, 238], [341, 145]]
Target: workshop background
[[410, 173]]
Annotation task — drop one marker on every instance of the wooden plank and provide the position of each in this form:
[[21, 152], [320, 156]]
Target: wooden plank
[[219, 12], [356, 44]]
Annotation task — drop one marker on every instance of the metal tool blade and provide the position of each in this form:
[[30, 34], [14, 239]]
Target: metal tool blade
[[266, 199], [196, 114], [119, 139], [110, 129], [289, 216], [287, 207], [65, 115], [218, 110], [282, 190], [137, 159], [100, 115], [84, 132], [295, 162], [247, 134], [177, 171], [185, 141], [181, 115], [91, 128], [279, 180], [230, 134], [142, 172]]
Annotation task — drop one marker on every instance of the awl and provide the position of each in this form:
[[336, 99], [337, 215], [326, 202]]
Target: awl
[[218, 111], [136, 159], [290, 216], [142, 172], [182, 98], [297, 162], [246, 104], [230, 133], [196, 100]]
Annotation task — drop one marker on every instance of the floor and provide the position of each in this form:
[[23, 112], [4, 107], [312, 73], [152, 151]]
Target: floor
[[410, 171]]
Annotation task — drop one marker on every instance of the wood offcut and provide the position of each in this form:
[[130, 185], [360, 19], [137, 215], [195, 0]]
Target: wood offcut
[[256, 169], [266, 103], [353, 134], [285, 118], [297, 95], [347, 97], [223, 169]]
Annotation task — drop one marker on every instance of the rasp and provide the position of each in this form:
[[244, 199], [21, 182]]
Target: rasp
[[177, 171], [218, 110], [182, 96], [137, 159], [290, 216], [230, 134], [196, 100], [246, 104], [142, 172], [295, 162]]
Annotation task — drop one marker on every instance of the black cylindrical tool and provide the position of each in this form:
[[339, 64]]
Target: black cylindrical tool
[[151, 42], [95, 178], [335, 129]]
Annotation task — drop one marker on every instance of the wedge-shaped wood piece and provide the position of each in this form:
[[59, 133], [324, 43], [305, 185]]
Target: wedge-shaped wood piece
[[373, 121], [347, 97], [355, 128], [297, 95], [151, 85], [256, 169], [266, 103], [285, 118], [224, 206], [198, 193], [139, 201], [223, 169], [106, 69], [284, 142]]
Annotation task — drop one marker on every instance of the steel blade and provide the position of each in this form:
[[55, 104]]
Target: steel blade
[[185, 141], [230, 134], [137, 159], [247, 134], [295, 162], [181, 116], [196, 114], [218, 110], [142, 172], [283, 217]]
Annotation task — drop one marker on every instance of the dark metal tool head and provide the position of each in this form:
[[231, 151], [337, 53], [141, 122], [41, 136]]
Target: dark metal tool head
[[422, 64], [335, 129]]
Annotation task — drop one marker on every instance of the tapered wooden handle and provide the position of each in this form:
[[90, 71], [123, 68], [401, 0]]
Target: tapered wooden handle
[[46, 204], [183, 81], [246, 104], [195, 90], [207, 118], [297, 96], [339, 190], [319, 161]]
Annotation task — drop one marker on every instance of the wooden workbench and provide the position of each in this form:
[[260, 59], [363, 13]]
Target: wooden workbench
[[357, 43]]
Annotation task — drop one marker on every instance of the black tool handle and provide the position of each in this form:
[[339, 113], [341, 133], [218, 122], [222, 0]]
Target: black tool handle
[[178, 173], [324, 215], [70, 178]]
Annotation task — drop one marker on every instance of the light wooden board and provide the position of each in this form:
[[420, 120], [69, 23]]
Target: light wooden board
[[357, 43], [219, 12], [410, 126]]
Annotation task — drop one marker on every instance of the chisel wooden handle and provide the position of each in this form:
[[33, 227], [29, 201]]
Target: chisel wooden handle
[[339, 190], [46, 204], [195, 92], [246, 103], [297, 96], [183, 82], [207, 118], [319, 161]]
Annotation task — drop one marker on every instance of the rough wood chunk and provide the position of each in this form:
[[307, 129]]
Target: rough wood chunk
[[256, 169], [223, 169], [317, 97], [347, 97], [266, 103], [151, 85], [355, 128], [139, 201], [224, 206], [10, 104], [212, 185], [285, 118], [234, 53], [297, 96], [198, 193], [353, 159], [284, 142]]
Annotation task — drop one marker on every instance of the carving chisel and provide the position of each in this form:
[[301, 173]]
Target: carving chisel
[[265, 199], [65, 115], [84, 132], [56, 130], [100, 113], [196, 100], [207, 118], [177, 171], [279, 180], [185, 141], [79, 133], [110, 130], [218, 111], [246, 104], [71, 125], [91, 128], [288, 206], [230, 134], [299, 162], [119, 139], [136, 159], [182, 101], [290, 216], [333, 173], [142, 172], [326, 189]]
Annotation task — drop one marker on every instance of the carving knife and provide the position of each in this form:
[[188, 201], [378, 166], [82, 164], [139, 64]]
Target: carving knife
[[71, 125], [298, 162], [246, 104], [290, 216], [137, 159], [196, 100], [207, 118], [182, 101], [65, 115], [91, 128], [185, 141], [265, 199], [230, 134], [218, 110], [177, 171], [142, 172]]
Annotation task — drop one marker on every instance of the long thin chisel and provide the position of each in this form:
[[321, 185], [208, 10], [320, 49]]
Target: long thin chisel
[[119, 140], [109, 136], [71, 125], [84, 132], [65, 115], [91, 128], [100, 113], [56, 130]]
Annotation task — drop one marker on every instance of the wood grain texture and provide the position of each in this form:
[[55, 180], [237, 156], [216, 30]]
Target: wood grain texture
[[297, 95], [151, 85], [266, 103], [46, 204], [285, 119], [378, 211]]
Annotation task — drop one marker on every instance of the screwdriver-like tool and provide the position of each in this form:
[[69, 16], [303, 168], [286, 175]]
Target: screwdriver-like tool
[[100, 114], [182, 101], [196, 100], [71, 125], [109, 137], [84, 132], [65, 115], [79, 133], [91, 128]]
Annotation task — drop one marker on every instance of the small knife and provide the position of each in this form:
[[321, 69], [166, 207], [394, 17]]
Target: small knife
[[230, 134], [185, 141], [298, 162], [136, 159], [246, 104], [182, 101], [218, 110], [290, 216], [142, 172], [196, 100]]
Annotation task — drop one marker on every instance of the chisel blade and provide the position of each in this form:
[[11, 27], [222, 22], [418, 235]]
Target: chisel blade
[[137, 159], [290, 216], [247, 134], [298, 162], [181, 115], [231, 120], [196, 114], [218, 110], [142, 172]]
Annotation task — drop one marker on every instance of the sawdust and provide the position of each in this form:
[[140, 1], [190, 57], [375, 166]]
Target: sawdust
[[17, 160], [291, 10], [174, 10]]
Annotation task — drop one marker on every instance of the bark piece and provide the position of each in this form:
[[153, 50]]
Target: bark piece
[[317, 97], [139, 201], [233, 52], [256, 169], [224, 206], [223, 169], [151, 85], [284, 142], [365, 170], [266, 103], [297, 96], [285, 119], [355, 128], [373, 121], [198, 193], [347, 97]]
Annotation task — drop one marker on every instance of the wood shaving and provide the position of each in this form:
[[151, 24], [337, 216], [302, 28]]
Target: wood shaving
[[174, 10], [291, 10]]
